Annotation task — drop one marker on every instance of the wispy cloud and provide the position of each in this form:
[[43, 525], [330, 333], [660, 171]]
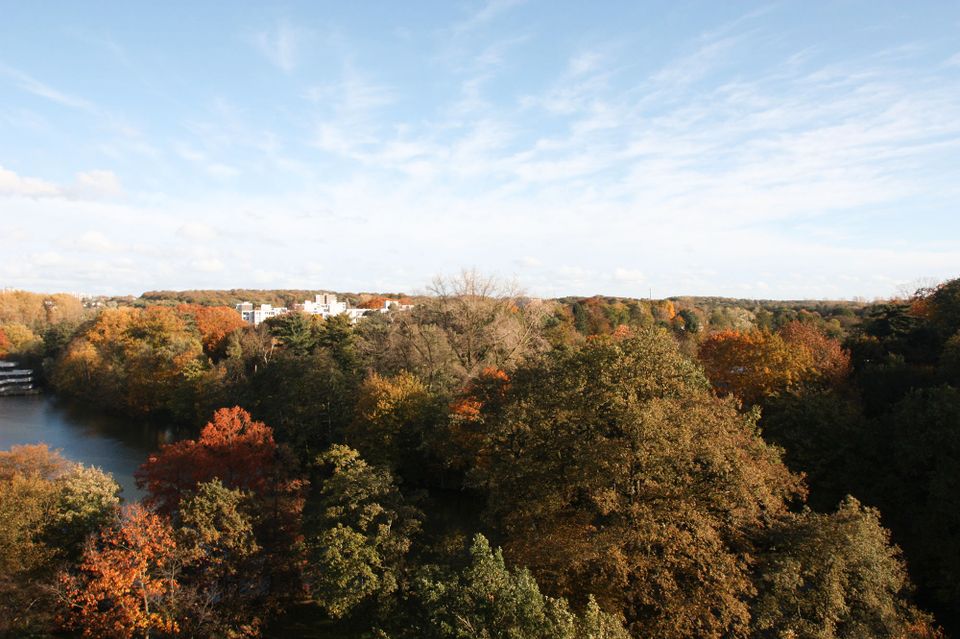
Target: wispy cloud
[[735, 159], [281, 45], [486, 13], [33, 86]]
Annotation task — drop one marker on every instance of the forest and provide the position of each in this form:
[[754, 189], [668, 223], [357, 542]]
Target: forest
[[494, 465]]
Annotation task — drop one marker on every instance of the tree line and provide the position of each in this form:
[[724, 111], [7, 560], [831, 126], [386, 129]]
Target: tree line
[[493, 465]]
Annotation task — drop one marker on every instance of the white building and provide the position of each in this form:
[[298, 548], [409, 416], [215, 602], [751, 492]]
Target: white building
[[324, 305], [256, 316], [394, 305]]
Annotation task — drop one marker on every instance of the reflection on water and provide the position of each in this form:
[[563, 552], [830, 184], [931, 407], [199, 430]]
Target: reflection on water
[[118, 446]]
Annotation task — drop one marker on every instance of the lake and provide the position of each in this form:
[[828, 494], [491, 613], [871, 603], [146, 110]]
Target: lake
[[117, 446]]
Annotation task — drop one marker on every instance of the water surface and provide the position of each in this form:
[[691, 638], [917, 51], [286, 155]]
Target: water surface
[[117, 446]]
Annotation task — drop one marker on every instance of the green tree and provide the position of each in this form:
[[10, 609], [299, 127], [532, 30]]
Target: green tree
[[223, 578], [832, 577], [359, 530], [297, 332], [487, 600]]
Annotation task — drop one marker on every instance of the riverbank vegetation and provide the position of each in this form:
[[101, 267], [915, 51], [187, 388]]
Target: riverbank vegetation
[[494, 465]]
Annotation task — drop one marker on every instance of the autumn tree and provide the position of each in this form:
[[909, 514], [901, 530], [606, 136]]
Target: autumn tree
[[48, 507], [215, 324], [20, 339], [37, 310], [130, 360], [126, 584], [753, 365], [831, 362], [469, 322], [394, 418], [242, 453], [641, 485], [232, 447]]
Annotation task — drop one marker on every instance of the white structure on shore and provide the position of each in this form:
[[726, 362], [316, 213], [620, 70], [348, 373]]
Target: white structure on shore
[[256, 316]]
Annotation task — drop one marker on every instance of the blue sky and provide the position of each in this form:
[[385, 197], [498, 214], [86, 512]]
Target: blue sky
[[782, 150]]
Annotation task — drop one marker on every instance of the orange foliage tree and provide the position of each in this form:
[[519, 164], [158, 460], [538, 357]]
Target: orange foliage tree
[[130, 359], [757, 364], [830, 360], [753, 364], [4, 343], [127, 584], [215, 324]]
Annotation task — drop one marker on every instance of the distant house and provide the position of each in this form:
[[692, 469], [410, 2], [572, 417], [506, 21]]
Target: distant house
[[254, 316]]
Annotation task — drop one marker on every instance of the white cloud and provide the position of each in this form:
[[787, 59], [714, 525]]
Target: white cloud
[[94, 241], [219, 170], [632, 276], [13, 184], [94, 184], [208, 265], [99, 183], [196, 231], [487, 12], [528, 261]]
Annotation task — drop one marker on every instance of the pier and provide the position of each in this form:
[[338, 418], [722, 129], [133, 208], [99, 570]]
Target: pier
[[15, 380]]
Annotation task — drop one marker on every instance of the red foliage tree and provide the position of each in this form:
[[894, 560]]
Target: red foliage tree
[[4, 343], [233, 447]]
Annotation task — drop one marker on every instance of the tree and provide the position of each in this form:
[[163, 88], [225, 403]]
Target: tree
[[232, 447], [296, 332], [21, 340], [130, 360], [359, 531], [25, 560], [394, 416], [613, 470], [825, 436], [126, 584], [469, 323], [223, 580], [755, 364], [918, 488], [309, 400], [832, 577], [831, 362], [486, 599], [215, 324]]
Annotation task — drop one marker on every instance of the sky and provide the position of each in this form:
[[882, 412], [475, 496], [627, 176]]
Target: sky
[[761, 150]]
